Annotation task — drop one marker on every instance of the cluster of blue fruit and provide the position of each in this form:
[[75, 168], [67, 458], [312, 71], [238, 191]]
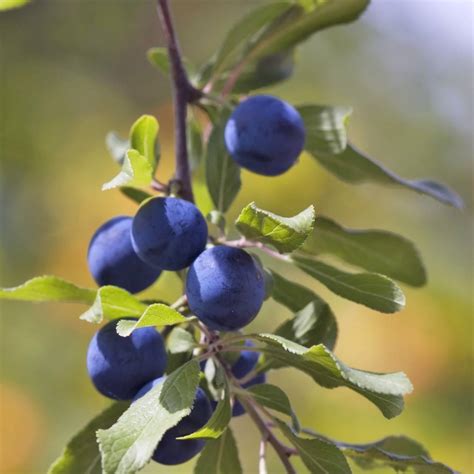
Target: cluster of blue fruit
[[225, 286]]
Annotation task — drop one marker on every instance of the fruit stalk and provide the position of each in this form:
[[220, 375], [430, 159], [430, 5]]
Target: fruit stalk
[[183, 94]]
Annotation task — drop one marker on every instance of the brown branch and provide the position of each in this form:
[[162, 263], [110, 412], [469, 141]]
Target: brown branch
[[183, 94]]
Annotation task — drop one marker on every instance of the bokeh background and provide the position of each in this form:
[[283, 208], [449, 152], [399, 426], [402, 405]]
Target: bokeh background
[[72, 70]]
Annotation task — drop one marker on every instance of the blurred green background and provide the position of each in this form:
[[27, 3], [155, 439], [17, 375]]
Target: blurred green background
[[72, 70]]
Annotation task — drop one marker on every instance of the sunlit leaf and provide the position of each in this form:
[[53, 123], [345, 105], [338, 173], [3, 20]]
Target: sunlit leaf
[[384, 390], [129, 444], [284, 233], [157, 314], [219, 420], [48, 288]]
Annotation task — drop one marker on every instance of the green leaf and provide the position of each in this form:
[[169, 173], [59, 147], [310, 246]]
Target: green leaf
[[180, 341], [319, 455], [10, 4], [135, 194], [242, 32], [298, 23], [220, 456], [158, 57], [154, 315], [290, 294], [354, 167], [219, 420], [143, 138], [271, 396], [266, 72], [369, 289], [375, 250], [284, 233], [384, 390], [397, 452], [314, 324], [117, 146], [129, 444], [222, 173], [81, 455], [195, 144], [48, 288], [112, 302], [325, 128], [136, 171]]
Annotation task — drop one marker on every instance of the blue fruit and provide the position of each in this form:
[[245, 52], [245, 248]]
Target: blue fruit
[[238, 409], [172, 451], [120, 366], [168, 233], [225, 288], [265, 135], [112, 260], [246, 361]]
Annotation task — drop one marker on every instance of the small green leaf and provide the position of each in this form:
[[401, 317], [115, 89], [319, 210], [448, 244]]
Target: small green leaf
[[48, 288], [374, 250], [384, 390], [136, 171], [396, 452], [354, 167], [219, 420], [112, 302], [180, 341], [325, 128], [220, 456], [11, 4], [154, 315], [143, 138], [135, 194], [314, 324], [284, 233], [158, 57], [117, 146], [290, 294], [319, 455], [81, 455], [222, 173], [129, 444], [370, 289]]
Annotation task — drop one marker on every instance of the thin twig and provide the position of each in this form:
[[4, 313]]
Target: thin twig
[[282, 451], [183, 93], [244, 243], [159, 186], [262, 462]]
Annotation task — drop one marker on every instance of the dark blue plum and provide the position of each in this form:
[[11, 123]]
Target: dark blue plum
[[120, 366], [168, 233], [225, 288], [112, 260], [238, 409], [171, 451], [246, 361], [265, 135]]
